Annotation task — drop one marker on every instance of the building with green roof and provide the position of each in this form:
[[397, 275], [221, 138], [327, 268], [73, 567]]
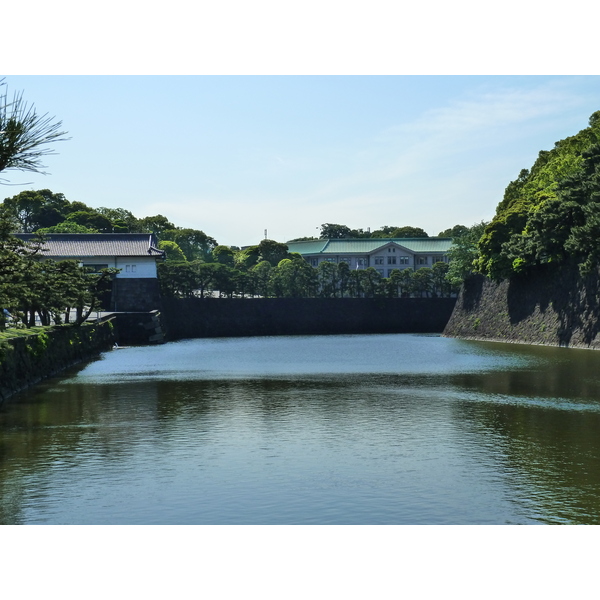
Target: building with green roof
[[384, 254]]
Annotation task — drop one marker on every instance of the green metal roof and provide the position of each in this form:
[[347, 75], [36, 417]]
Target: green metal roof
[[368, 245], [310, 247]]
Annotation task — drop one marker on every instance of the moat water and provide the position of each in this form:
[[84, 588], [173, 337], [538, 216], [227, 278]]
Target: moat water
[[357, 429]]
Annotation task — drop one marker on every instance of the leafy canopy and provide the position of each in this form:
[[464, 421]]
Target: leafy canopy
[[550, 213]]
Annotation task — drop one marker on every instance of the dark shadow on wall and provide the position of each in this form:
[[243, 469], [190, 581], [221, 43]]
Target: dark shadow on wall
[[591, 301], [563, 291], [526, 292], [471, 292]]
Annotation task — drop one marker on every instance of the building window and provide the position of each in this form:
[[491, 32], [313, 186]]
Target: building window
[[422, 260], [361, 262], [314, 262], [346, 260], [380, 271], [403, 260], [130, 268], [391, 260], [379, 260]]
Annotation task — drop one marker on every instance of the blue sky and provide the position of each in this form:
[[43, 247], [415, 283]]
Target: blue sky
[[235, 155]]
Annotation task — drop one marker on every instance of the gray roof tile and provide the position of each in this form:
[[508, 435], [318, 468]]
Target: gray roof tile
[[66, 245]]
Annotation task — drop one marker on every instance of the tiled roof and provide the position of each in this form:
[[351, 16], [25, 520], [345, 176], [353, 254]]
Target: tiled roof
[[65, 245], [369, 245]]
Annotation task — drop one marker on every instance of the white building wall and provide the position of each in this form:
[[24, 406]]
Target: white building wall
[[133, 267], [137, 267], [382, 260]]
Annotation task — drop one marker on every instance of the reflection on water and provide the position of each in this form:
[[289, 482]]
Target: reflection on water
[[337, 429]]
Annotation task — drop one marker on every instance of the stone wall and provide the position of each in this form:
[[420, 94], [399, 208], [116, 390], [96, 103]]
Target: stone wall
[[223, 317], [134, 295], [138, 328], [550, 306], [27, 360]]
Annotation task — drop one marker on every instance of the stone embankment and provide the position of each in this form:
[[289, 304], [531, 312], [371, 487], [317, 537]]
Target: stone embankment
[[554, 307], [26, 360], [223, 317]]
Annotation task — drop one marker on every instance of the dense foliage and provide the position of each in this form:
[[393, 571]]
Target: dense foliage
[[334, 231], [293, 277], [43, 211], [464, 252], [550, 213], [31, 287]]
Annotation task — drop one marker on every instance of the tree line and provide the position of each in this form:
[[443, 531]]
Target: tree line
[[44, 212], [334, 231], [268, 270], [550, 214], [48, 290]]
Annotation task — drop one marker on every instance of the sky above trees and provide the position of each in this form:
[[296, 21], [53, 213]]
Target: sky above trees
[[235, 155]]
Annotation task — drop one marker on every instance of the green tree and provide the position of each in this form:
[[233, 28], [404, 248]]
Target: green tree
[[388, 231], [173, 252], [91, 219], [194, 243], [422, 280], [409, 232], [354, 284], [57, 287], [272, 251], [370, 282], [542, 208], [304, 239], [400, 282], [25, 135], [66, 227], [261, 274], [177, 280], [334, 231], [584, 188], [156, 224], [464, 253], [247, 258], [293, 278], [343, 277], [30, 285], [31, 210], [15, 258], [385, 231], [223, 255], [205, 274], [123, 221], [328, 278], [244, 283], [454, 232], [439, 284], [222, 280]]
